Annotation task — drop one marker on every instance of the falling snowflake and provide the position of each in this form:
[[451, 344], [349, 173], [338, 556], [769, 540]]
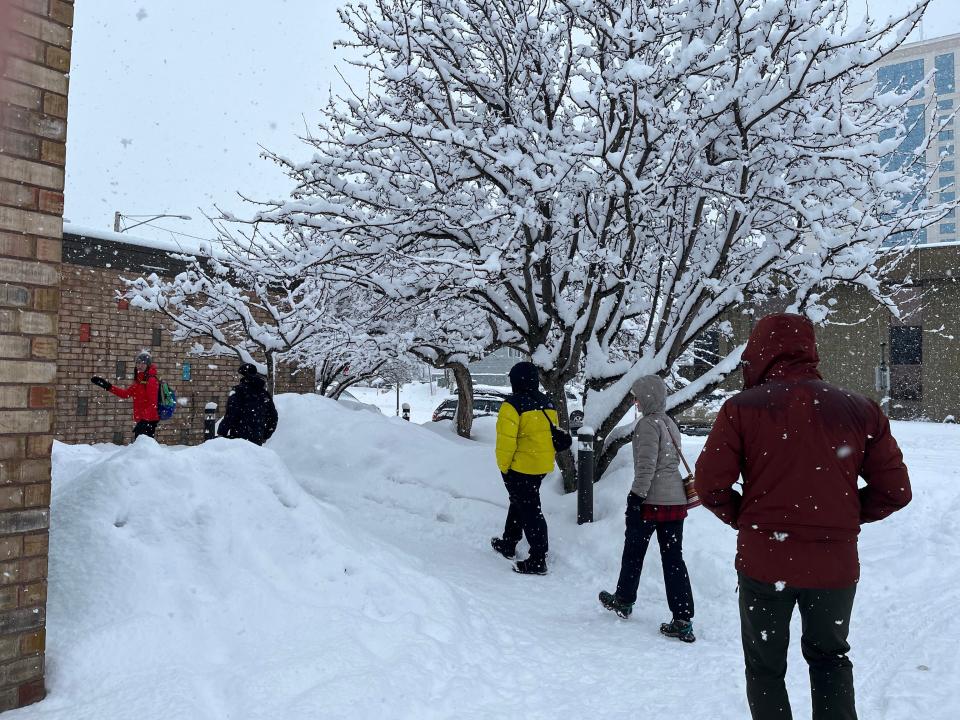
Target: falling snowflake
[[141, 14], [780, 585]]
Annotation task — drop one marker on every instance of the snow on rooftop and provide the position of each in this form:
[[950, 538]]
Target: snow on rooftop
[[185, 245]]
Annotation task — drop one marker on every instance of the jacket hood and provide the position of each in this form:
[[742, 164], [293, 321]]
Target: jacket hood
[[651, 392], [150, 372], [525, 378], [252, 381], [780, 346]]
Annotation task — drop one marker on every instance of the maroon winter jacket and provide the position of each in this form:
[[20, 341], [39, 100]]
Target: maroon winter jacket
[[799, 444]]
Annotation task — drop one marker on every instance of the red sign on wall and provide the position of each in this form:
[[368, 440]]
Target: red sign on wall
[[84, 332]]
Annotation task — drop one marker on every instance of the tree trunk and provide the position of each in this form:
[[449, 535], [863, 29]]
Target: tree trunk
[[566, 460], [465, 402], [271, 373]]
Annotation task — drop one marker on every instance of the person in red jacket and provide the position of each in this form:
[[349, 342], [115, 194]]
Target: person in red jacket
[[143, 390], [799, 445]]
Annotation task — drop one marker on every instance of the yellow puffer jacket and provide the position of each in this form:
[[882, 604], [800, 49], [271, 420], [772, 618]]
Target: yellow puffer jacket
[[524, 443]]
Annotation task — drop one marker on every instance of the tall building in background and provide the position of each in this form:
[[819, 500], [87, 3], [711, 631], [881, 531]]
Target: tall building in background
[[904, 68]]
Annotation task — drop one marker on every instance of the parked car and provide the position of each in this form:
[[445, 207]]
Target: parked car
[[354, 403], [574, 408], [484, 405], [698, 418]]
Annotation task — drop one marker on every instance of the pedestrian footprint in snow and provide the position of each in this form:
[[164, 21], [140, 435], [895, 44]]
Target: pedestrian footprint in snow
[[251, 414], [800, 512], [144, 390], [657, 502], [525, 454]]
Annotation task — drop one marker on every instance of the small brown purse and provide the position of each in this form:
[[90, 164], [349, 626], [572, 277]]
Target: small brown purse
[[689, 488]]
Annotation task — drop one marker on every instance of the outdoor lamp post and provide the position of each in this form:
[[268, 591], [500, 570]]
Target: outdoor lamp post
[[406, 411], [117, 217]]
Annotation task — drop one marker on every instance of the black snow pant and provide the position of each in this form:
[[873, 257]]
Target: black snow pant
[[524, 516], [765, 615], [144, 427], [670, 539]]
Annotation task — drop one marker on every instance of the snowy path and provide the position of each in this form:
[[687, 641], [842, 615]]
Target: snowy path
[[345, 571]]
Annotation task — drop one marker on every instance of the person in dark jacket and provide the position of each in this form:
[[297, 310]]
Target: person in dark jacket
[[144, 391], [251, 414], [799, 444], [657, 503], [524, 455]]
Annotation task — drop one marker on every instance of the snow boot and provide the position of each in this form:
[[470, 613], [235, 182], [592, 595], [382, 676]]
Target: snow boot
[[501, 547], [679, 629], [531, 566], [614, 604]]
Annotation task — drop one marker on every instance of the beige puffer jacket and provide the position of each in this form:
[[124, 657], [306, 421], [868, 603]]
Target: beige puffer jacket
[[656, 474]]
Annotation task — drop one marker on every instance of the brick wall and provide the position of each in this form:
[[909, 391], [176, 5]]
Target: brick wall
[[35, 37], [97, 333]]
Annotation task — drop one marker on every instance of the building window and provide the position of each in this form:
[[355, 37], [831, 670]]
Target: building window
[[906, 345], [121, 369], [948, 229], [904, 155], [118, 437], [906, 382], [947, 166], [157, 337], [945, 104], [901, 76], [948, 196], [944, 66], [946, 150], [946, 181], [81, 406], [945, 135]]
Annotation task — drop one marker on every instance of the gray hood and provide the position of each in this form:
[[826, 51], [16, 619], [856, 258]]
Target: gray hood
[[651, 391]]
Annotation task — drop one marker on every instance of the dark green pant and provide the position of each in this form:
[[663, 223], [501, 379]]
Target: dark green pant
[[765, 615]]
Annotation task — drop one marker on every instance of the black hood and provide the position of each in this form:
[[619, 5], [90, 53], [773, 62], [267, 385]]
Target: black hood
[[253, 382], [525, 378]]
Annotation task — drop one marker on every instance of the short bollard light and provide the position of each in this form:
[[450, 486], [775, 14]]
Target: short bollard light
[[209, 421], [585, 440], [406, 411]]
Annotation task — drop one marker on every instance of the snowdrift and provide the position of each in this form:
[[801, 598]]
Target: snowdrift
[[344, 570]]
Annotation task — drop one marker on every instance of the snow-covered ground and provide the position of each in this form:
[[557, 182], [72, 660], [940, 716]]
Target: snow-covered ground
[[344, 570]]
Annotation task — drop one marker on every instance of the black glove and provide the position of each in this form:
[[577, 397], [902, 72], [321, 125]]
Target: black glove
[[97, 380], [634, 500]]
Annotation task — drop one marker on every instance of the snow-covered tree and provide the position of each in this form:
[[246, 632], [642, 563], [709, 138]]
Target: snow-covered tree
[[260, 298], [606, 179]]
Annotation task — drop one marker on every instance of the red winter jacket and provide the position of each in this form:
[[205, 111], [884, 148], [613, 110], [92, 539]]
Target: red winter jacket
[[799, 444], [144, 393]]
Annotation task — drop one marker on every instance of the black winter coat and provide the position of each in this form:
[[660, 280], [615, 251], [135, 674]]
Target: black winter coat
[[251, 414]]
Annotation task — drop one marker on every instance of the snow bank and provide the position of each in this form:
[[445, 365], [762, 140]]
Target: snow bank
[[344, 570]]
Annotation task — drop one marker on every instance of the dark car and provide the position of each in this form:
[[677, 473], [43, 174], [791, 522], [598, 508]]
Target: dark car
[[484, 405]]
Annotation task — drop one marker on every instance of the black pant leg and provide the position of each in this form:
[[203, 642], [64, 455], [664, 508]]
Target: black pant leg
[[676, 580], [513, 527], [525, 510], [144, 427], [765, 630], [636, 537], [826, 623]]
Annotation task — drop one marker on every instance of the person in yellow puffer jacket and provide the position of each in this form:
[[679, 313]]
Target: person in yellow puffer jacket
[[524, 455]]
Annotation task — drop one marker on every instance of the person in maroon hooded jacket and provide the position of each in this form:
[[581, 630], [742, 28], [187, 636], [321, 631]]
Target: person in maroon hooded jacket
[[143, 390], [799, 445]]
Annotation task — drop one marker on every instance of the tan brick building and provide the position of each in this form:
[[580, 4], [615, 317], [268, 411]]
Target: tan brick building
[[100, 334], [35, 41]]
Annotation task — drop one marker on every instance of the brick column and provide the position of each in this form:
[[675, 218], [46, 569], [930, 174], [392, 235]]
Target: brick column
[[33, 127]]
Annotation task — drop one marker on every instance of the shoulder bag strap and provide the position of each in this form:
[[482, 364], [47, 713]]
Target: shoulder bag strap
[[544, 411], [679, 452]]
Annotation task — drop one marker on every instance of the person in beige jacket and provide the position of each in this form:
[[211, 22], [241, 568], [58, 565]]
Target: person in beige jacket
[[656, 503]]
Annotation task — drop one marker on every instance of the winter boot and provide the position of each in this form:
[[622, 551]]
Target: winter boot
[[531, 566], [613, 603], [679, 629], [501, 547]]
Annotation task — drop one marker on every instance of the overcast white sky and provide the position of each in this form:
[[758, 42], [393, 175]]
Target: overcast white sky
[[170, 100]]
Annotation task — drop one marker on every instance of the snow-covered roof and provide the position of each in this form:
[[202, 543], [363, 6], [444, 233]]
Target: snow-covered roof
[[186, 245]]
